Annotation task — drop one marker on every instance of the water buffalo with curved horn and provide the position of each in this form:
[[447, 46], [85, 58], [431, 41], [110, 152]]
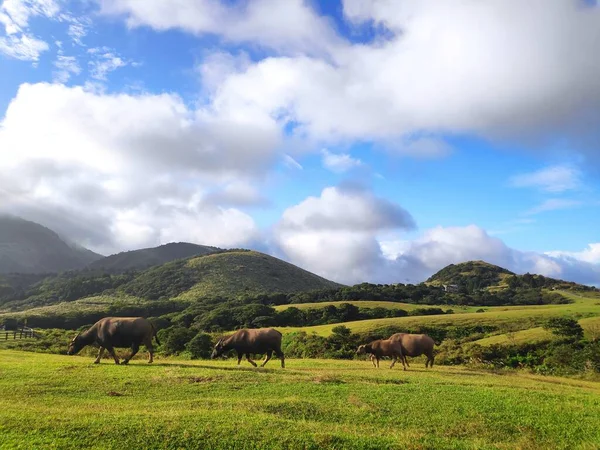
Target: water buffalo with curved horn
[[118, 332], [415, 345], [380, 348], [248, 342]]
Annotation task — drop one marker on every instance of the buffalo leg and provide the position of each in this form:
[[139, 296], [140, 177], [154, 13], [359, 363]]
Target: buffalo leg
[[394, 359], [279, 354], [372, 358], [267, 358], [134, 349], [240, 355], [377, 359], [150, 348], [100, 353], [249, 360], [111, 350]]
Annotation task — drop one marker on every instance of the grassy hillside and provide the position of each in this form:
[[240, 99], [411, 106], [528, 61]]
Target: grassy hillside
[[51, 401], [460, 274], [472, 276], [248, 272], [148, 257], [27, 247]]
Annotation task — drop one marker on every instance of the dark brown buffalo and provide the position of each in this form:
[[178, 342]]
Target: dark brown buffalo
[[415, 345], [117, 332], [381, 348], [248, 342]]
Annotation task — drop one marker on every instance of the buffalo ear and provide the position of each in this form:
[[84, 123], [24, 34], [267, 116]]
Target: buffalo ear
[[220, 341]]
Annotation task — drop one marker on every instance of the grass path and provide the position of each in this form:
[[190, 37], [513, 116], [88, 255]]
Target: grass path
[[52, 401]]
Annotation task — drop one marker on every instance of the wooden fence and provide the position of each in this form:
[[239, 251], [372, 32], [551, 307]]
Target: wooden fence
[[21, 333]]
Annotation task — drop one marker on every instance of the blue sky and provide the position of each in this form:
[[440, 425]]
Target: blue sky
[[362, 140]]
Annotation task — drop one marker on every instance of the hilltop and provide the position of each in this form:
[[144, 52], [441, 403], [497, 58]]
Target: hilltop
[[28, 247], [227, 274], [471, 276], [148, 257]]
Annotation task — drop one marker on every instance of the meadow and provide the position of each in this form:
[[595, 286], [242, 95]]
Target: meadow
[[54, 401]]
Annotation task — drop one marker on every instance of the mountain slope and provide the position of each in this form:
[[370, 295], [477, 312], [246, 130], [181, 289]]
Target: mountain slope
[[226, 274], [480, 272], [27, 247], [148, 257]]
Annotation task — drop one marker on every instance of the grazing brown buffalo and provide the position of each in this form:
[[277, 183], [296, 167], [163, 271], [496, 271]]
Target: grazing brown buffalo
[[247, 342], [118, 332], [381, 348], [415, 345]]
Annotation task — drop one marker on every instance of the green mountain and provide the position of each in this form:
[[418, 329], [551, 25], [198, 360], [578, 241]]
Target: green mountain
[[224, 274], [480, 272], [27, 247], [473, 275], [148, 257]]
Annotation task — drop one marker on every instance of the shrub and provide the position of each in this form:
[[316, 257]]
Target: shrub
[[174, 339], [200, 346]]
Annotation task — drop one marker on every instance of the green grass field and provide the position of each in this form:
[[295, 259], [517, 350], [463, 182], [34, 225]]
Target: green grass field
[[51, 401], [514, 317]]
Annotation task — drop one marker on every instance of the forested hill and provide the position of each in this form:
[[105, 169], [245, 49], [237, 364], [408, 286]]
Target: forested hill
[[148, 257], [28, 247], [226, 273], [471, 276]]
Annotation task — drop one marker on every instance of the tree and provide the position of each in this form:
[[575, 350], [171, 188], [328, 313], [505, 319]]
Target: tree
[[175, 339], [200, 346], [562, 326]]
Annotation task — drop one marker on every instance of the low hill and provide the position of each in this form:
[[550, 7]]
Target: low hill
[[224, 274], [148, 257], [28, 247], [480, 272], [471, 276]]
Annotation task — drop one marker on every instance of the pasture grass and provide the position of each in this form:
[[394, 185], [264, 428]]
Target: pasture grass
[[513, 317], [52, 401]]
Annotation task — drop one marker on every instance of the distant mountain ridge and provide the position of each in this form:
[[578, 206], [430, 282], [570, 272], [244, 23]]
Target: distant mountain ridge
[[28, 247], [148, 257]]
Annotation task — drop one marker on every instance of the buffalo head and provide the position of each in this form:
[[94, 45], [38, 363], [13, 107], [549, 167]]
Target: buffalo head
[[218, 350], [362, 349], [75, 345]]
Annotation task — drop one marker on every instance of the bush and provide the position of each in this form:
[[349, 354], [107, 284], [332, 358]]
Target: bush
[[174, 339], [200, 346], [562, 326]]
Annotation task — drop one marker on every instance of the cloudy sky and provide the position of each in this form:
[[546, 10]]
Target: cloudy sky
[[364, 140]]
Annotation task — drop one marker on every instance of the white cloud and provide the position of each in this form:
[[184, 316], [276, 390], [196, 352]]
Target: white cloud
[[66, 66], [18, 43], [351, 257], [281, 24], [339, 162], [335, 234], [291, 162], [23, 47], [436, 74], [550, 179], [590, 255], [104, 61], [104, 167], [554, 204]]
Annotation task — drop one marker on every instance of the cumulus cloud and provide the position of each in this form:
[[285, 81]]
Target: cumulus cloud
[[339, 162], [335, 234], [434, 74], [357, 257], [133, 169], [281, 24], [550, 179]]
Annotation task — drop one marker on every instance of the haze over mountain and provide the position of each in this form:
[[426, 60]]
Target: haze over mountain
[[148, 257], [28, 247]]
